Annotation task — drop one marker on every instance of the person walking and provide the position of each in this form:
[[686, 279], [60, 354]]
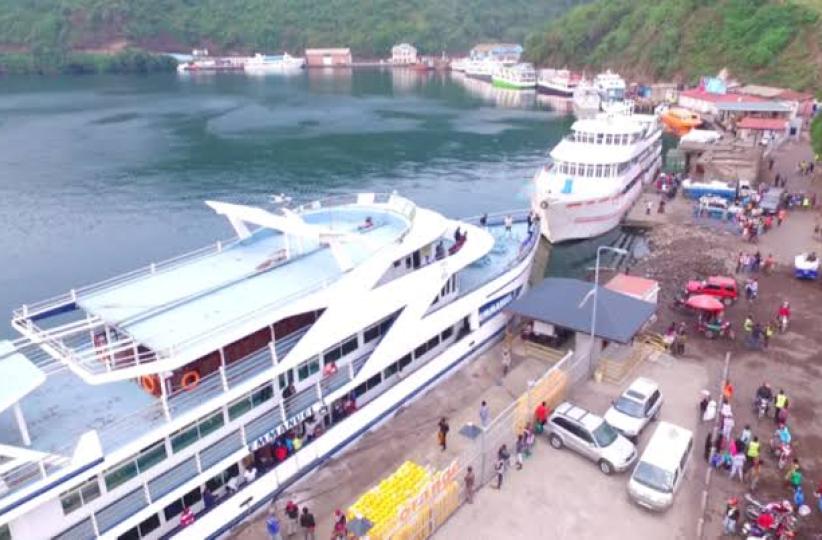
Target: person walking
[[520, 450], [738, 465], [308, 524], [499, 469], [484, 414], [728, 390], [753, 451], [272, 526], [292, 519], [442, 434], [469, 485], [506, 360], [731, 516], [541, 414], [509, 223], [727, 427], [780, 402]]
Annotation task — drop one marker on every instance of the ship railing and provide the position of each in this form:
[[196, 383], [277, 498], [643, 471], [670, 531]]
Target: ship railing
[[33, 310], [16, 478], [392, 201]]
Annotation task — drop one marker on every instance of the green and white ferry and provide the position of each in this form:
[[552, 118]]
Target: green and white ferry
[[517, 77]]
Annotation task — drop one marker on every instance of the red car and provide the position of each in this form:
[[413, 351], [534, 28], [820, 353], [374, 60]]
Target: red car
[[721, 287]]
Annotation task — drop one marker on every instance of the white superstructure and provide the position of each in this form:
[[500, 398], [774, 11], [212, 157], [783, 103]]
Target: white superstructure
[[557, 82], [517, 77], [586, 100], [610, 85], [274, 350], [596, 174], [261, 63]]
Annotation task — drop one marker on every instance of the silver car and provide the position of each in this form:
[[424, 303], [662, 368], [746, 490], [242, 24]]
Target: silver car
[[591, 436], [640, 403]]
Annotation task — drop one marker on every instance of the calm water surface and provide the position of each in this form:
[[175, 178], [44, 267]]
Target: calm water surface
[[99, 175]]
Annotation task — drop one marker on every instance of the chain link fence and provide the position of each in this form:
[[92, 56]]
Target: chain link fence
[[431, 512]]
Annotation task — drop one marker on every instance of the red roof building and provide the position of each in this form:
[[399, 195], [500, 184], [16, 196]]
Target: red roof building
[[706, 102], [762, 124], [635, 286]]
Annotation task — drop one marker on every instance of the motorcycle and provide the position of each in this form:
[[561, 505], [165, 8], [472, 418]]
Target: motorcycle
[[783, 452], [782, 512], [761, 407], [712, 330]]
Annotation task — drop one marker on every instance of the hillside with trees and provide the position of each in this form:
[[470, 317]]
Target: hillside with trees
[[50, 32], [767, 41]]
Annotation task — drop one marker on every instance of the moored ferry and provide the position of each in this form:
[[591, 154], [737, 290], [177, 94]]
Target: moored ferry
[[557, 82], [596, 174], [517, 77], [222, 376], [263, 63]]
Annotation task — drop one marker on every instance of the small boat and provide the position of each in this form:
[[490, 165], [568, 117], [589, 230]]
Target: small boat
[[262, 63], [680, 121], [481, 69], [517, 77], [557, 82], [806, 266]]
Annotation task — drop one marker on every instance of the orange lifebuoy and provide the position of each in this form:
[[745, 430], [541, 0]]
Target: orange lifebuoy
[[149, 383], [190, 380]]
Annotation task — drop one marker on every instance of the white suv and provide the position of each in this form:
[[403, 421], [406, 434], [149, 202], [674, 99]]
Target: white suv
[[591, 436], [639, 404]]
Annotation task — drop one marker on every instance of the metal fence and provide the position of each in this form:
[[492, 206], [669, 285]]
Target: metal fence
[[551, 387]]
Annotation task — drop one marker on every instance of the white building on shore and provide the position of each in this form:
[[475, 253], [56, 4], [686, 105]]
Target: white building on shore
[[403, 54]]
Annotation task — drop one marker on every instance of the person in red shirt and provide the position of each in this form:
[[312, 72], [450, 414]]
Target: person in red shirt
[[541, 414], [187, 517], [728, 391], [784, 314]]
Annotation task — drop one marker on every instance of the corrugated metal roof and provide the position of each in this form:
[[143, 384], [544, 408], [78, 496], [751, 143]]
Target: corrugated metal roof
[[559, 301], [754, 106]]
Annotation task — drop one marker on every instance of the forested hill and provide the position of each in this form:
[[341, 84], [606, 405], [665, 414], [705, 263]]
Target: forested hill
[[766, 41], [369, 27]]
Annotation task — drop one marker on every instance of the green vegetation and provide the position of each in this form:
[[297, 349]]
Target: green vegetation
[[76, 63], [768, 41], [44, 29], [816, 136]]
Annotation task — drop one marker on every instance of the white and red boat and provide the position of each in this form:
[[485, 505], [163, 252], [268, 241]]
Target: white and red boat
[[596, 174]]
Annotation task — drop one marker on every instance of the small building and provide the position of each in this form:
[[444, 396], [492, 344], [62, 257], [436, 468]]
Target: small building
[[637, 287], [499, 52], [705, 102], [334, 57], [403, 54], [800, 102], [752, 128], [559, 310]]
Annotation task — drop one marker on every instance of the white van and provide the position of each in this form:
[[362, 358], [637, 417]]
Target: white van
[[661, 469]]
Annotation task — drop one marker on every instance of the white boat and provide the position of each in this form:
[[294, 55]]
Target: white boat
[[262, 63], [596, 175], [481, 69], [517, 77], [125, 400], [586, 100], [611, 86], [459, 64], [557, 82]]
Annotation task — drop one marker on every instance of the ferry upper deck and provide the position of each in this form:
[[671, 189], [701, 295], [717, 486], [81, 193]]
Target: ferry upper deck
[[189, 306]]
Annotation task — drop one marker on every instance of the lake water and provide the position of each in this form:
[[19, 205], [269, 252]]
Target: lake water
[[99, 175]]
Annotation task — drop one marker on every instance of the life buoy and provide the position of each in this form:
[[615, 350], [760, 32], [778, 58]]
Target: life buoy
[[544, 205], [190, 380], [149, 383]]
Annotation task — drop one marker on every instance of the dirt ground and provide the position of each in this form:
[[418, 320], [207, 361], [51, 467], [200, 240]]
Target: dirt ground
[[688, 248]]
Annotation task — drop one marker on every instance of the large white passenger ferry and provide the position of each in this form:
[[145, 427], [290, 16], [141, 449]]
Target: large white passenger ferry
[[215, 380], [596, 174]]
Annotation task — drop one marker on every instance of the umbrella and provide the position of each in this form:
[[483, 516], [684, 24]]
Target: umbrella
[[705, 302], [359, 526]]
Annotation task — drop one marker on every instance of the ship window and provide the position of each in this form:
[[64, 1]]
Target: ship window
[[350, 345], [599, 138], [609, 139], [286, 376], [386, 324], [599, 170], [308, 368], [373, 382], [151, 456], [371, 333], [405, 360], [433, 342], [184, 437], [211, 424], [262, 395], [173, 509], [121, 474], [447, 333], [5, 533], [131, 534], [82, 494], [331, 355], [572, 169], [590, 170], [419, 351], [360, 390], [150, 524], [239, 408], [391, 370], [192, 497]]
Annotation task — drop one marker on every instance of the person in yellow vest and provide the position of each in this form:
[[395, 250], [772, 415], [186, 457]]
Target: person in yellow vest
[[753, 451], [780, 405]]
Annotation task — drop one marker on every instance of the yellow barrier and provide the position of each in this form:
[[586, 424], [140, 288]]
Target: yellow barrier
[[551, 389]]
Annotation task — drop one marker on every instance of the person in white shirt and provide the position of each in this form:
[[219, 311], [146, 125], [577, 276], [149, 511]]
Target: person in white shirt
[[250, 474], [233, 484], [509, 223]]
